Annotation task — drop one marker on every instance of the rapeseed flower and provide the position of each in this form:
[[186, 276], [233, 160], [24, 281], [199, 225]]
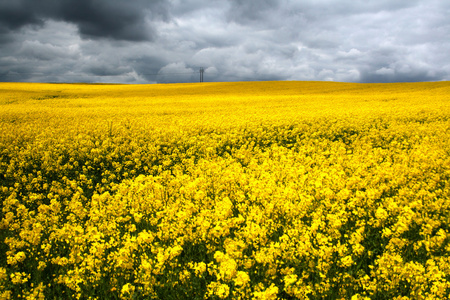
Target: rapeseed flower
[[236, 190]]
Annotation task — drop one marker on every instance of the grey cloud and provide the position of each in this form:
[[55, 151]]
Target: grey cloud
[[46, 52], [384, 75], [313, 9], [152, 41], [400, 64], [102, 69], [243, 11]]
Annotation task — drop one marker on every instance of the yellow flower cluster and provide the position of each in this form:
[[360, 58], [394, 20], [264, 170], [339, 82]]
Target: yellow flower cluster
[[262, 190]]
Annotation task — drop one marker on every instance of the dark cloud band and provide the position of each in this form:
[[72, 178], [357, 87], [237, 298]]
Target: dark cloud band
[[114, 19]]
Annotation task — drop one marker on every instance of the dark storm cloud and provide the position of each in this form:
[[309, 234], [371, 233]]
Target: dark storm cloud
[[144, 41], [115, 19], [13, 15], [119, 19]]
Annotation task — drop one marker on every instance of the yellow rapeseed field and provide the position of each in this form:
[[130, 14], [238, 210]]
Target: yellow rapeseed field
[[257, 190]]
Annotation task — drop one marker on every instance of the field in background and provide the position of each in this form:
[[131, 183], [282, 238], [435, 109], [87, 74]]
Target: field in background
[[261, 190]]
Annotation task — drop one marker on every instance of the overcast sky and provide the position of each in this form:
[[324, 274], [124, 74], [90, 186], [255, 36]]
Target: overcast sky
[[149, 41]]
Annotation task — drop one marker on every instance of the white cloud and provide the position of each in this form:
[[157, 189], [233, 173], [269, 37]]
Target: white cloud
[[176, 72], [385, 71]]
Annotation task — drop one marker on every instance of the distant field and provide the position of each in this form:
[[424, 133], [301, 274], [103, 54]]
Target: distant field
[[252, 190]]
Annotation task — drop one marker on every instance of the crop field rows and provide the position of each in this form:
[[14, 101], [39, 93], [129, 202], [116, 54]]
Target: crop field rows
[[252, 190]]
